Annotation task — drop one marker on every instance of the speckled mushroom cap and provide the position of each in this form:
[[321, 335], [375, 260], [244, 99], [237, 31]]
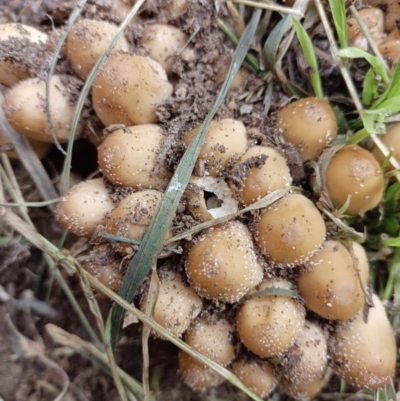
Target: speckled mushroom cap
[[364, 354], [84, 207], [268, 325], [222, 263]]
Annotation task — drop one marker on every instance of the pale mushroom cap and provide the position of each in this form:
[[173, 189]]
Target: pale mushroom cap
[[331, 287], [364, 354], [308, 123], [163, 43], [309, 356], [302, 391], [129, 158], [291, 230], [392, 141], [224, 139], [131, 218], [128, 89], [84, 207], [177, 304], [354, 172], [273, 175], [212, 339], [9, 73], [25, 108], [257, 375], [222, 263], [176, 8], [88, 40], [196, 375], [268, 325]]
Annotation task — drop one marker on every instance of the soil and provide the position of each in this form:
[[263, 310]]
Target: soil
[[33, 365]]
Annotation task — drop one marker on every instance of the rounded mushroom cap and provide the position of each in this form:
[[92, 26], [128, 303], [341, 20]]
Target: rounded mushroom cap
[[177, 304], [132, 217], [25, 108], [88, 40], [257, 375], [310, 124], [212, 339], [195, 374], [163, 43], [291, 230], [268, 325], [222, 263], [84, 207], [128, 89], [392, 141], [331, 286], [364, 354], [272, 175], [308, 358], [302, 391], [129, 158], [354, 172], [224, 139], [11, 73]]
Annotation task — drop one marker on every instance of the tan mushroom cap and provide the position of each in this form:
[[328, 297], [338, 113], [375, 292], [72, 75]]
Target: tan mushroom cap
[[88, 40], [354, 172], [308, 123], [128, 88], [129, 158], [25, 108], [84, 207], [291, 230], [268, 325], [222, 263], [365, 353], [331, 285]]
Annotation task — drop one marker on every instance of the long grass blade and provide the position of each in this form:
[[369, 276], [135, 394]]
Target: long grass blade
[[90, 352], [85, 92], [71, 20], [310, 57], [338, 9], [153, 240]]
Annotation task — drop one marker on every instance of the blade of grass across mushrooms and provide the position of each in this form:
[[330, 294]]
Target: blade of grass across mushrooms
[[71, 20], [85, 92], [153, 240]]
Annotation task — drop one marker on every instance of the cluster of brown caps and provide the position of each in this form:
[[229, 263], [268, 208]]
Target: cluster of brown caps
[[296, 297]]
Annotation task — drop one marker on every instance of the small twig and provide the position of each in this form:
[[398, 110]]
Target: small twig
[[271, 7]]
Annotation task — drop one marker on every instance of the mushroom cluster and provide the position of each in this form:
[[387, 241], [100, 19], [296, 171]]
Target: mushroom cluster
[[274, 295]]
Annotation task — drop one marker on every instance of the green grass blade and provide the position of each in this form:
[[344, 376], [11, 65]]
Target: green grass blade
[[374, 61], [370, 88], [153, 240], [338, 10], [393, 90], [85, 92], [309, 55], [71, 20]]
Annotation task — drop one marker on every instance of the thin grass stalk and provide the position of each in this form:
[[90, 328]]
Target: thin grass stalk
[[71, 20], [269, 7]]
